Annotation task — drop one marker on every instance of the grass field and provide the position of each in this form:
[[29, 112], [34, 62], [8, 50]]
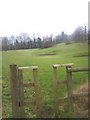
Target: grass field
[[59, 54]]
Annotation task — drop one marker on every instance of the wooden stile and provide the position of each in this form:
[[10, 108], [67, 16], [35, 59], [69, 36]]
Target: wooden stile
[[57, 82], [17, 91]]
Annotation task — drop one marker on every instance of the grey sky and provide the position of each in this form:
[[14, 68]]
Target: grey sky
[[43, 17]]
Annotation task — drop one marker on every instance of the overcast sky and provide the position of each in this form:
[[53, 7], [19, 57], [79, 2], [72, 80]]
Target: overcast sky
[[43, 17]]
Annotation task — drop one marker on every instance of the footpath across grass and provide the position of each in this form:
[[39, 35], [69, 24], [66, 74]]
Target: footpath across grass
[[76, 53]]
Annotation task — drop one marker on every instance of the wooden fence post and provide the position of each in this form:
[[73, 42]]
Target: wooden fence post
[[21, 94], [69, 88], [56, 103], [14, 90], [37, 93]]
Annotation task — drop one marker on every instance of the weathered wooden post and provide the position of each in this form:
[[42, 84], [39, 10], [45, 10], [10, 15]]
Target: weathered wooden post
[[56, 103], [14, 90], [21, 94], [37, 93], [69, 88]]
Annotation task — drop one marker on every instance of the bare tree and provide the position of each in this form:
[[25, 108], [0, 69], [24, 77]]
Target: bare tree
[[5, 43], [78, 34]]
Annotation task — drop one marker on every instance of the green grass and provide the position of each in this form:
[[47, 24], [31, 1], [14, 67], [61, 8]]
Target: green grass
[[63, 54]]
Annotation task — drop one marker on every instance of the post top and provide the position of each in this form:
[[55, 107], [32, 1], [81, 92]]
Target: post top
[[62, 65], [28, 67]]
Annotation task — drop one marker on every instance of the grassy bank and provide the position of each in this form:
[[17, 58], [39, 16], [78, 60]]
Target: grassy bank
[[59, 54]]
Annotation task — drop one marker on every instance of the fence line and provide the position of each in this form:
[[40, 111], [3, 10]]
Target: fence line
[[17, 88]]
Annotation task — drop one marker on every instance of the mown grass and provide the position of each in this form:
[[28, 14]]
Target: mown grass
[[63, 54]]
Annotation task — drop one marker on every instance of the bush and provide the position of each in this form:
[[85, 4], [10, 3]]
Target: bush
[[68, 42]]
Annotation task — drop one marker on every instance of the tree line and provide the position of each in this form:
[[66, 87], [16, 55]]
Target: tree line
[[24, 41]]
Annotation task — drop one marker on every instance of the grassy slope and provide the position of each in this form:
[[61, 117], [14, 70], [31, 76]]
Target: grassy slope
[[64, 54]]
